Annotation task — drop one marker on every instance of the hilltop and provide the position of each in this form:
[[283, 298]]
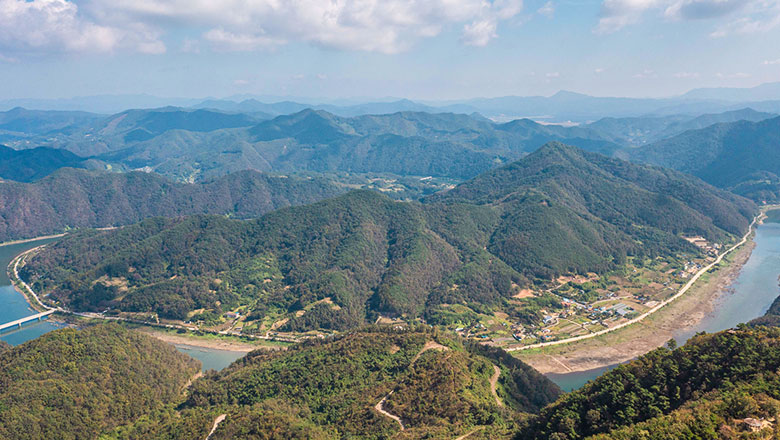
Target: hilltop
[[341, 262], [709, 388], [73, 198], [435, 385], [739, 156], [188, 145], [77, 384]]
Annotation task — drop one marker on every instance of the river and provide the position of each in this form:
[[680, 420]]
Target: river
[[748, 297], [13, 306]]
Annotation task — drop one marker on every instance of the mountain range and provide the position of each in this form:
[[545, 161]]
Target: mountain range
[[193, 145], [381, 382], [739, 156], [74, 198], [562, 106], [341, 262]]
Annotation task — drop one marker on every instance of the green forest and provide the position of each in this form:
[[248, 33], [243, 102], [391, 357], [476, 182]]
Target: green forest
[[559, 210], [76, 384]]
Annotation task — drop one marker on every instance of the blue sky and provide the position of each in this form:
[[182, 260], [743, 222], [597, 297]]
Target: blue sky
[[418, 49]]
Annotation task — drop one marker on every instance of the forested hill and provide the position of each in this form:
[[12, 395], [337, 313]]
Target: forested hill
[[738, 156], [76, 384], [185, 145], [35, 163], [611, 190], [72, 198], [710, 388], [441, 388], [340, 262]]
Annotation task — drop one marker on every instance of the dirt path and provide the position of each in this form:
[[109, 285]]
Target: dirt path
[[195, 377], [469, 433], [430, 345], [217, 421], [380, 407], [494, 382]]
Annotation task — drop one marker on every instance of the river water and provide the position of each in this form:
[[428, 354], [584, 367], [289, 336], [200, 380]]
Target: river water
[[14, 306], [748, 297]]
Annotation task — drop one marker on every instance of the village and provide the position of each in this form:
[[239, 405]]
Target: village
[[577, 305]]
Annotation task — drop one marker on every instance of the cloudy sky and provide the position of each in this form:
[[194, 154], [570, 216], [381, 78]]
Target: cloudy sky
[[419, 49]]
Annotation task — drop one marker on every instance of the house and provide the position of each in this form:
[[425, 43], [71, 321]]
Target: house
[[232, 315]]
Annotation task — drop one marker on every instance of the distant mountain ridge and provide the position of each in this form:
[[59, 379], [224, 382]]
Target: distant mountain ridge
[[640, 131], [562, 106], [739, 156], [194, 145], [72, 198], [35, 163]]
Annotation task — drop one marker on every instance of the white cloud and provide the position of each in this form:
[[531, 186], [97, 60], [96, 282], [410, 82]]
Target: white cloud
[[771, 62], [733, 75], [760, 16], [552, 75], [548, 9], [57, 26], [242, 42], [647, 73], [617, 14], [701, 9], [386, 26], [598, 71], [479, 33], [687, 75], [241, 82]]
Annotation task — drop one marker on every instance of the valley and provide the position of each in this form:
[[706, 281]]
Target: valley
[[390, 220]]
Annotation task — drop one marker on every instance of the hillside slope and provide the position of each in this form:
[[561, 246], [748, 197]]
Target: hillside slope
[[76, 384], [434, 384], [73, 198], [35, 163], [201, 144], [707, 389], [740, 156], [342, 261]]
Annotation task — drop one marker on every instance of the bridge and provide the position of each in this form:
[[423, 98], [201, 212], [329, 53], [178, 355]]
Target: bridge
[[18, 323]]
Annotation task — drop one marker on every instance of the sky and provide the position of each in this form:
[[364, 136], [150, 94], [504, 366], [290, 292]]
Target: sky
[[430, 50]]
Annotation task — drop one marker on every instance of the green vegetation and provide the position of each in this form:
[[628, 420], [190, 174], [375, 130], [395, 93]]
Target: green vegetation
[[341, 262], [329, 388], [35, 163], [203, 144], [698, 391], [739, 156], [76, 384], [637, 131], [73, 198]]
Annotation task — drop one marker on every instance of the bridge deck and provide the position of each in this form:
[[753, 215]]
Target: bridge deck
[[19, 322]]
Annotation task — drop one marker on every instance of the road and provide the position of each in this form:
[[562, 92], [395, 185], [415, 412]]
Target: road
[[46, 307], [658, 307]]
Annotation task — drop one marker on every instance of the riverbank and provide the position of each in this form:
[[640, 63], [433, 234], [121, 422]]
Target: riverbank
[[211, 342], [632, 341], [29, 240]]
